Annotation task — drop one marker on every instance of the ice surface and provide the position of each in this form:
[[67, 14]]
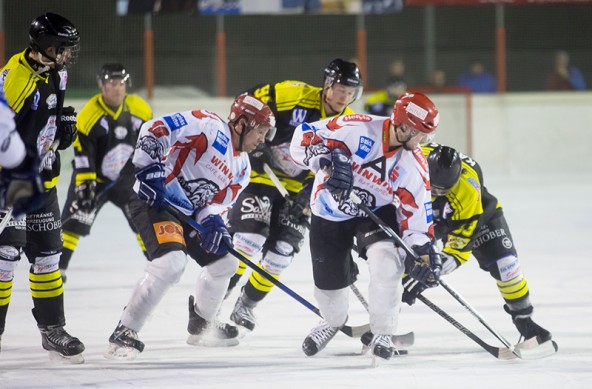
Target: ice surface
[[550, 222]]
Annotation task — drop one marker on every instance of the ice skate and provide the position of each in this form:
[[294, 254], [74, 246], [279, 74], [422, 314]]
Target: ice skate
[[318, 338], [526, 326], [61, 345], [209, 333], [124, 344], [242, 313], [381, 347]]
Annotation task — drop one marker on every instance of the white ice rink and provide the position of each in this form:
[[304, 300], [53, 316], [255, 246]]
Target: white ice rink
[[550, 222]]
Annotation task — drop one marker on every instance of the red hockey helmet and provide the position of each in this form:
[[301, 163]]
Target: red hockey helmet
[[255, 112], [416, 110]]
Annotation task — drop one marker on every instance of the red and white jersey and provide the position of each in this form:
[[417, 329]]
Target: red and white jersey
[[12, 152], [196, 148], [380, 176]]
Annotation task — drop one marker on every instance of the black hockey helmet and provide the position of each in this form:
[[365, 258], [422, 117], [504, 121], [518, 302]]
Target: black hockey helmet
[[445, 169], [111, 71], [53, 30], [344, 73]]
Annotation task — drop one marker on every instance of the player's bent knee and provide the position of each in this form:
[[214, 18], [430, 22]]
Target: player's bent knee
[[47, 262], [224, 267], [275, 263], [169, 267], [9, 257], [248, 243]]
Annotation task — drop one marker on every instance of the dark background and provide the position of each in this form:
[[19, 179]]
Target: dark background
[[270, 48]]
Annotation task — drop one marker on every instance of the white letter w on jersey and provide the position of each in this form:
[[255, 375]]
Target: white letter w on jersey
[[298, 117]]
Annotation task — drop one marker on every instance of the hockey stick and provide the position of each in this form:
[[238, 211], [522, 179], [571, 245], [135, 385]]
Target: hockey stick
[[280, 187], [499, 353], [354, 332], [389, 231]]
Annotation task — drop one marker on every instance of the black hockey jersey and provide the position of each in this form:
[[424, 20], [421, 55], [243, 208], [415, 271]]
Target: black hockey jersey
[[459, 215], [292, 103], [106, 138], [37, 100]]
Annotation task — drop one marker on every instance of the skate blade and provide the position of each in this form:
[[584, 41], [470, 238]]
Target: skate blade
[[118, 353], [530, 349], [204, 341], [77, 359]]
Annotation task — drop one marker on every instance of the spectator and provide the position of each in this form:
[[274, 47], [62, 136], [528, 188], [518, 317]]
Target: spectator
[[381, 102], [477, 79], [564, 76], [438, 80], [397, 70]]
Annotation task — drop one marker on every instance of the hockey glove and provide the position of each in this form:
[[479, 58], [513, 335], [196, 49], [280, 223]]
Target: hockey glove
[[411, 289], [297, 207], [22, 188], [427, 269], [341, 179], [216, 238], [151, 184], [84, 197], [67, 130], [260, 156]]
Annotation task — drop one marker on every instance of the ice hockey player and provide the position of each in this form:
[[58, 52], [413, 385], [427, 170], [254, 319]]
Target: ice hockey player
[[34, 84], [208, 167], [108, 127], [377, 158], [263, 221], [381, 102], [470, 220]]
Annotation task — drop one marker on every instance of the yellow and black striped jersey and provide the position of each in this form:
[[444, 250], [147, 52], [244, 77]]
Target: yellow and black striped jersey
[[106, 137], [36, 97], [459, 215], [293, 103]]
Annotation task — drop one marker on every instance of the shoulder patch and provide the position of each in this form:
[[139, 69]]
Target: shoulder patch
[[364, 146], [221, 142], [176, 121]]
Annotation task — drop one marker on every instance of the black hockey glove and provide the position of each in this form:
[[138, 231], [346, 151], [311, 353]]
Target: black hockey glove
[[297, 207], [260, 156], [67, 130], [22, 187], [85, 197], [411, 289], [427, 269], [216, 238], [341, 178], [151, 188]]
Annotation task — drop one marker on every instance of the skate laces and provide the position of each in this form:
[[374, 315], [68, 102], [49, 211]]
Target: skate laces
[[123, 332], [322, 333], [58, 336]]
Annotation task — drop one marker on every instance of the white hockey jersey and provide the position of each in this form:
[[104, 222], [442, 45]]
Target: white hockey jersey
[[380, 176], [200, 161], [12, 148]]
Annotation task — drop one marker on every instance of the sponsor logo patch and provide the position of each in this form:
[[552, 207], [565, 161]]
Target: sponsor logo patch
[[175, 121], [221, 142], [364, 146], [169, 232], [429, 214]]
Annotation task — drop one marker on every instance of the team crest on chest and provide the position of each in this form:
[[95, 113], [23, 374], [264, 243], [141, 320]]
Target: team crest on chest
[[120, 132]]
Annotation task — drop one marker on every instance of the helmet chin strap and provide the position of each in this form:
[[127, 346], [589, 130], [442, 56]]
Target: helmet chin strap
[[403, 142]]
